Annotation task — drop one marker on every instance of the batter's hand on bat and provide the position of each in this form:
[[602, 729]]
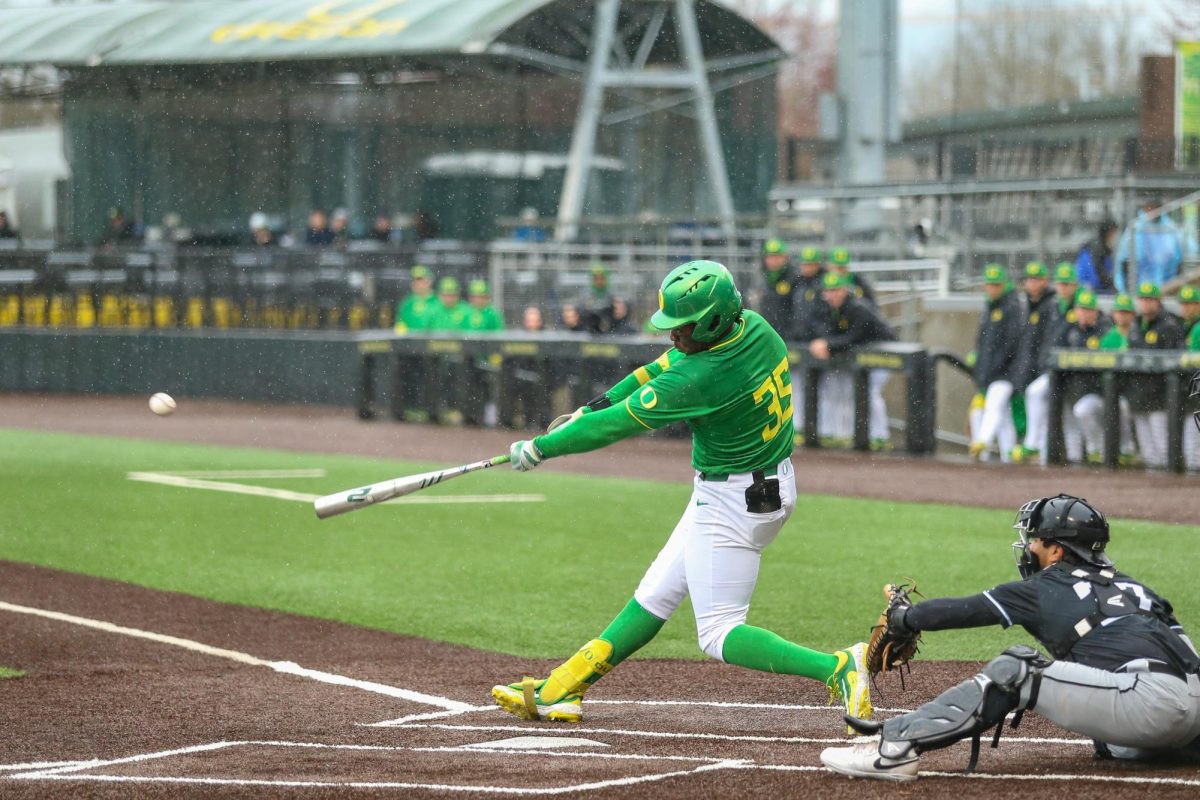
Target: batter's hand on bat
[[524, 455], [567, 419]]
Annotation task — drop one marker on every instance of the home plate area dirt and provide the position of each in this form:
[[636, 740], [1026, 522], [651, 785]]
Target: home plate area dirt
[[138, 693]]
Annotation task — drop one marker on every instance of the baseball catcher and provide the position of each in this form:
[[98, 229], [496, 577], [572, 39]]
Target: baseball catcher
[[1124, 673], [727, 377]]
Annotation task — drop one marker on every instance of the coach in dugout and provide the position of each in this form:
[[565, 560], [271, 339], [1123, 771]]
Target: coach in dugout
[[1152, 330], [810, 320], [993, 362], [1043, 323], [854, 323]]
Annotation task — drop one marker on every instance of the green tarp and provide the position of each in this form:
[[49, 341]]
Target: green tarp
[[251, 30]]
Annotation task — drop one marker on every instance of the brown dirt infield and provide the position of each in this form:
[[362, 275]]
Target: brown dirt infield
[[103, 694]]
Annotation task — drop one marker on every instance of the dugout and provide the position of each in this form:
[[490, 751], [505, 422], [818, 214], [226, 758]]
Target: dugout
[[217, 109]]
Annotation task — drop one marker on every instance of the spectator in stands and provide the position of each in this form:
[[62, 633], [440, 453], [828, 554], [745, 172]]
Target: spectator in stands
[[1094, 264], [569, 319], [615, 319], [529, 230], [451, 311], [993, 361], [1189, 307], [483, 315], [1152, 330], [854, 323], [810, 320], [781, 279], [1083, 407], [121, 230], [1043, 324], [260, 230], [339, 228], [425, 225], [381, 229], [532, 320], [416, 312], [838, 260], [7, 231], [318, 233], [1155, 244]]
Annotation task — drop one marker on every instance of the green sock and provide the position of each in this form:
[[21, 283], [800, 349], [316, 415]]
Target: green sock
[[630, 631], [764, 651]]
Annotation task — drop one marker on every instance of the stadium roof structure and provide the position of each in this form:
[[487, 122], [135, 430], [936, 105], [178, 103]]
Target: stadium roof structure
[[142, 32]]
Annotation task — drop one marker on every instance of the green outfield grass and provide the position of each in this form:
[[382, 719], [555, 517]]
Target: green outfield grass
[[533, 579], [6, 672]]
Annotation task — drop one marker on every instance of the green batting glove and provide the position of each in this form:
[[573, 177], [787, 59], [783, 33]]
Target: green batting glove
[[567, 419], [524, 455]]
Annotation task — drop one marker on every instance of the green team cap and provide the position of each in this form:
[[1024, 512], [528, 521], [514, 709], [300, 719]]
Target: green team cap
[[1086, 299], [1064, 272], [702, 292], [418, 272], [994, 273], [448, 286], [811, 255], [1148, 289], [1189, 294], [839, 256], [599, 269], [1036, 269], [774, 247], [836, 280], [478, 288], [1123, 303]]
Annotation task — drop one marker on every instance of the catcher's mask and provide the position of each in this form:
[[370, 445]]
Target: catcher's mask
[[1194, 396], [1068, 521]]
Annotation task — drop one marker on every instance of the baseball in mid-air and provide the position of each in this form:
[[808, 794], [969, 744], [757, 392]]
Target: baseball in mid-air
[[162, 404]]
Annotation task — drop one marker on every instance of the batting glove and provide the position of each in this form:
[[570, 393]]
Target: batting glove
[[567, 419], [524, 455]]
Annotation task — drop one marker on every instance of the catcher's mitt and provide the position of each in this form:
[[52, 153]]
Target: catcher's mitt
[[893, 644]]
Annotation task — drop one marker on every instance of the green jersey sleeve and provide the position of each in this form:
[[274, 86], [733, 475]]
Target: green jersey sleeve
[[642, 375], [590, 432]]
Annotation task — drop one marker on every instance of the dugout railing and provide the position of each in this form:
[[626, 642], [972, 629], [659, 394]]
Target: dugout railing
[[1172, 367]]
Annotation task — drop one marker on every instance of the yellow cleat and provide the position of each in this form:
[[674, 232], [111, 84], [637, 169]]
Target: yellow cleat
[[524, 700], [850, 684], [976, 450]]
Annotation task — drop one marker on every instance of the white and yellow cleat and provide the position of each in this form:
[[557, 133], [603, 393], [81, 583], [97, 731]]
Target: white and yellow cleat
[[524, 700], [850, 684]]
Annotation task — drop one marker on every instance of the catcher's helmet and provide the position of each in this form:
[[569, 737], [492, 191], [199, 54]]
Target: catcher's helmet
[[1063, 519], [701, 292]]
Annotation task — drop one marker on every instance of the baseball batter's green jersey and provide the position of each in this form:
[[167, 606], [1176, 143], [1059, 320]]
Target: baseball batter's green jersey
[[449, 319], [1193, 340], [1114, 340], [416, 312], [483, 319], [736, 397]]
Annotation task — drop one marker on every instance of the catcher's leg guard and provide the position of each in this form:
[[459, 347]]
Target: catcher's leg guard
[[578, 672], [1009, 682]]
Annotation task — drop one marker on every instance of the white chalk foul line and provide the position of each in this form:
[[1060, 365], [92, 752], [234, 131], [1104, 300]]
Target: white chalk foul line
[[244, 473], [166, 479], [38, 765], [286, 667]]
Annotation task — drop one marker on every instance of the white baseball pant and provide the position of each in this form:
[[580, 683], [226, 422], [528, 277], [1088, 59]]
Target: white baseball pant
[[1089, 411], [879, 416], [713, 555], [798, 400], [1037, 413], [996, 425], [1152, 437], [835, 415], [1191, 443]]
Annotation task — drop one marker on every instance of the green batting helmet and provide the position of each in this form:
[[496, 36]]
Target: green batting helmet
[[702, 292]]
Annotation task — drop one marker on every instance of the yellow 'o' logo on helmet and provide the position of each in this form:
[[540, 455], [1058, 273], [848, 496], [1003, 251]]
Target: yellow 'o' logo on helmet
[[648, 398]]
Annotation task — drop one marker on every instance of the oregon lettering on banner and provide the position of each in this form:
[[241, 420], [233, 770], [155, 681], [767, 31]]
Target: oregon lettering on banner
[[356, 20]]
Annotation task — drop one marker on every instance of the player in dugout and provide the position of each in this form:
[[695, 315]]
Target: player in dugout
[[727, 377]]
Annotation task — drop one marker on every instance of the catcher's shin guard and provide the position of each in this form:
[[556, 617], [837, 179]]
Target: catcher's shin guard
[[1009, 682], [578, 672]]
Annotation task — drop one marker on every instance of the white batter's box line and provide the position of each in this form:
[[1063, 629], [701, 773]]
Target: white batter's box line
[[167, 479], [76, 772], [718, 737], [286, 667], [38, 765]]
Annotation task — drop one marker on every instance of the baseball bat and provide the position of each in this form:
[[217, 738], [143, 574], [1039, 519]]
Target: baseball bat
[[353, 499]]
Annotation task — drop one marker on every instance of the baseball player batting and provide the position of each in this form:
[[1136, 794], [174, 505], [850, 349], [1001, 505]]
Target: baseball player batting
[[1124, 673], [727, 377]]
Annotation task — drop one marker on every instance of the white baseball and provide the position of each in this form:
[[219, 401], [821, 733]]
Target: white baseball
[[162, 404]]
